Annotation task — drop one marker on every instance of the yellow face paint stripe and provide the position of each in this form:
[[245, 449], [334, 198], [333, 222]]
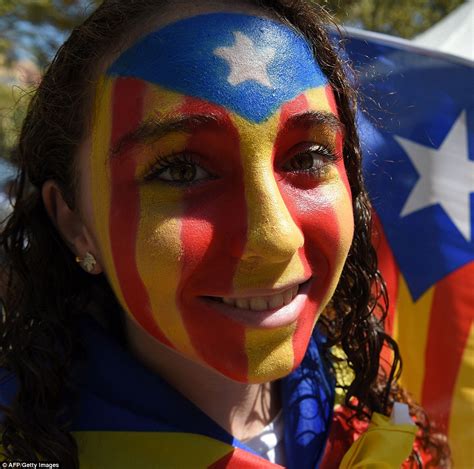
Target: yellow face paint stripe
[[158, 245], [271, 231], [317, 99], [270, 352], [100, 177]]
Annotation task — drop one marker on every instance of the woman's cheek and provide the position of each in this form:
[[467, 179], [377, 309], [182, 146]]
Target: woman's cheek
[[325, 217], [334, 232], [158, 256]]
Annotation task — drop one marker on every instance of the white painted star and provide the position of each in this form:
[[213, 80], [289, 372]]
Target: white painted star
[[446, 176], [246, 61]]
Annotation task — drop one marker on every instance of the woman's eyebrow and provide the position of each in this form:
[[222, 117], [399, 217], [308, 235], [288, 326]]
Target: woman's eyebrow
[[152, 129], [312, 118]]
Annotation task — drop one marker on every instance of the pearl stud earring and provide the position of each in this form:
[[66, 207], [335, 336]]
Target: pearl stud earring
[[87, 262]]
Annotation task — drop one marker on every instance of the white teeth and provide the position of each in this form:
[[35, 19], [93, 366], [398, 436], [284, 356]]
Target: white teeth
[[258, 304], [288, 296], [242, 303], [263, 303], [276, 301]]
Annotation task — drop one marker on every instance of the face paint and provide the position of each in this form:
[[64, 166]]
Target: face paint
[[236, 106]]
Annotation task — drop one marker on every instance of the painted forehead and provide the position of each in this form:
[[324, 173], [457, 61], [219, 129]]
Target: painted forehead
[[249, 64]]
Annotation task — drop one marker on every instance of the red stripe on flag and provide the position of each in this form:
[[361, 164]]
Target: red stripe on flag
[[451, 318], [127, 103], [240, 459], [388, 267]]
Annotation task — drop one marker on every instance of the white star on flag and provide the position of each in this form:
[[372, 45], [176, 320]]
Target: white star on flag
[[246, 61], [446, 176]]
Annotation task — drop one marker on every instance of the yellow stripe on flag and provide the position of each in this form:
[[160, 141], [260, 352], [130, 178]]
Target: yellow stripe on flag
[[411, 327], [461, 425], [147, 450]]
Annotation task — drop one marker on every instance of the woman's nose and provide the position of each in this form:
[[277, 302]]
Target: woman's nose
[[272, 234]]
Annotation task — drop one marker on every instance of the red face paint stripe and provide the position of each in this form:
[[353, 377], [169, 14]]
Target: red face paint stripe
[[125, 204], [339, 137], [214, 225], [306, 320], [320, 223], [450, 321]]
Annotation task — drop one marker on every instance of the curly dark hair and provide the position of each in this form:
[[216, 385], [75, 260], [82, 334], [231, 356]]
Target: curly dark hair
[[43, 289]]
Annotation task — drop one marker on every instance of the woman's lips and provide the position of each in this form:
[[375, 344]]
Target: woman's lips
[[266, 311]]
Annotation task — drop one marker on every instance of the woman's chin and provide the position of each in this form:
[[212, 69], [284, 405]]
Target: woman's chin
[[261, 378]]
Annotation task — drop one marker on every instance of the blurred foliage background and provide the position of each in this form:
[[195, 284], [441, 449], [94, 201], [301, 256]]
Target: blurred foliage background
[[31, 30], [403, 18]]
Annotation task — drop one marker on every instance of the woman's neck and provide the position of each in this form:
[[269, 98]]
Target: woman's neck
[[241, 409]]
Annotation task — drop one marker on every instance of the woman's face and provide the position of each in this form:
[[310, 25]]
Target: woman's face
[[221, 205]]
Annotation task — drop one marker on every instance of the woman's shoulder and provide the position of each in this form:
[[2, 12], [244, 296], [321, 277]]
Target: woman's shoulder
[[352, 438]]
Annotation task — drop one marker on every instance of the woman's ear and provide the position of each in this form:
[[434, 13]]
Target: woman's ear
[[71, 227]]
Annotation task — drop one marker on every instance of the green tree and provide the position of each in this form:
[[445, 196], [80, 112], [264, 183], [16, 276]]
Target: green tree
[[38, 27], [404, 18], [31, 29], [13, 103]]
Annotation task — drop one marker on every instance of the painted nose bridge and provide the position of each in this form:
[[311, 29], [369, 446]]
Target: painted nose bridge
[[271, 231]]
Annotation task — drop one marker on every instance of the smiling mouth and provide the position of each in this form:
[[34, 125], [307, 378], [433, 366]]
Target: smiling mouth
[[268, 311], [264, 302]]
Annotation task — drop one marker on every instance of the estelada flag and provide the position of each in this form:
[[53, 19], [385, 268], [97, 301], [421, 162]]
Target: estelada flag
[[417, 132]]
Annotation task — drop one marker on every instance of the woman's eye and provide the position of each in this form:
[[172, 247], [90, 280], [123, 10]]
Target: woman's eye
[[180, 169], [313, 161], [183, 172], [303, 162]]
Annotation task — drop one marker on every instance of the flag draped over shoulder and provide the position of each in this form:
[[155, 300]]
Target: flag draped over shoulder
[[125, 415], [417, 132]]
